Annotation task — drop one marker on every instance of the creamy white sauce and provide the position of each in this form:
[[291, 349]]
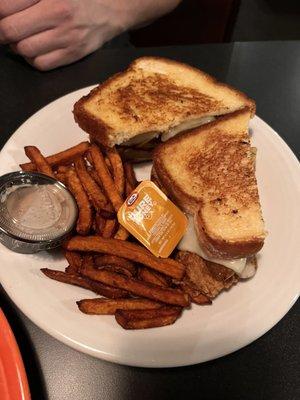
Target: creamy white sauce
[[190, 242], [35, 206]]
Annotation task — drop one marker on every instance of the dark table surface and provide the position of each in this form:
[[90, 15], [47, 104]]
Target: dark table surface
[[266, 369]]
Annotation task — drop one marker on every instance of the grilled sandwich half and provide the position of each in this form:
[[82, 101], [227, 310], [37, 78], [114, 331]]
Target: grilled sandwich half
[[210, 173], [155, 97]]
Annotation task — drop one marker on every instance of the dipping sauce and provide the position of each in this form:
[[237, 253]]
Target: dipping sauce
[[153, 219], [36, 211]]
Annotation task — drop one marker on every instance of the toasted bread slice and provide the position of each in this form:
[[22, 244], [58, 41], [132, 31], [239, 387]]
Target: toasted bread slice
[[210, 172], [178, 163], [153, 96]]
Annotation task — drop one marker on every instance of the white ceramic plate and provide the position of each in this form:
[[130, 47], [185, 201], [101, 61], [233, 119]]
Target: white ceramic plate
[[235, 319]]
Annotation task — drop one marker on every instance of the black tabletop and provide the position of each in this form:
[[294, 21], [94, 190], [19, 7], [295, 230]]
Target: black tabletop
[[266, 369]]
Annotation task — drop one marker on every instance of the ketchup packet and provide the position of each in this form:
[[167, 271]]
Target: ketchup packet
[[153, 219]]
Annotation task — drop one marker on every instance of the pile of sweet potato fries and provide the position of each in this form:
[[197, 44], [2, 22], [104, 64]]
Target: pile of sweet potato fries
[[141, 290]]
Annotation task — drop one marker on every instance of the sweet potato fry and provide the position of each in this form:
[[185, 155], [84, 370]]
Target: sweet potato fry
[[94, 192], [110, 228], [106, 259], [61, 174], [75, 261], [109, 307], [84, 221], [138, 288], [130, 251], [118, 270], [77, 280], [89, 159], [109, 186], [61, 177], [93, 227], [69, 270], [107, 291], [128, 188], [64, 157], [99, 224], [153, 277], [122, 233], [34, 154], [130, 180], [130, 174], [62, 169], [117, 169], [109, 212], [108, 164], [143, 319], [94, 175]]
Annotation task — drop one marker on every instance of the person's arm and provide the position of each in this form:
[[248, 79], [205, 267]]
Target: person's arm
[[149, 11], [51, 33]]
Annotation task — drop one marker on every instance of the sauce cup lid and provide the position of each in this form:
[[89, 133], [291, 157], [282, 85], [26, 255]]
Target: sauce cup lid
[[37, 212]]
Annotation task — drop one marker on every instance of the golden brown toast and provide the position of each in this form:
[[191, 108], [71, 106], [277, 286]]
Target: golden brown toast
[[210, 172], [153, 96]]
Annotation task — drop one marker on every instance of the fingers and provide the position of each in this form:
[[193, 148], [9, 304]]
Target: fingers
[[55, 59], [32, 20], [77, 47], [42, 43], [9, 7]]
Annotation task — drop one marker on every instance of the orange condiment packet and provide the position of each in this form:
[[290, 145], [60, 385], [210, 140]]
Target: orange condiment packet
[[153, 219]]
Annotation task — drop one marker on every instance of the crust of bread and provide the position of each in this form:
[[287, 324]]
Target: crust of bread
[[187, 203], [95, 127], [154, 178], [174, 195], [216, 247], [98, 128]]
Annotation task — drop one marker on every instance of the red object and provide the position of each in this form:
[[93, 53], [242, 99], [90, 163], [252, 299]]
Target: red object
[[13, 380]]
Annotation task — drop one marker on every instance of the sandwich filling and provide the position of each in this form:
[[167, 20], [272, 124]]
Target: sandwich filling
[[184, 126], [190, 242], [146, 137]]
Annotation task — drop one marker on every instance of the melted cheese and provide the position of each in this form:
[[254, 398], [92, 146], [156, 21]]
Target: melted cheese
[[249, 270], [142, 138], [146, 137], [193, 123], [189, 242]]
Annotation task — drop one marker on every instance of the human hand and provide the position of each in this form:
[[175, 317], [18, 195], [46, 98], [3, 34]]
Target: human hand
[[50, 33]]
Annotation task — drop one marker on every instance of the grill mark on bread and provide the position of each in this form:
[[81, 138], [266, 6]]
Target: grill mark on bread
[[141, 96], [226, 170]]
